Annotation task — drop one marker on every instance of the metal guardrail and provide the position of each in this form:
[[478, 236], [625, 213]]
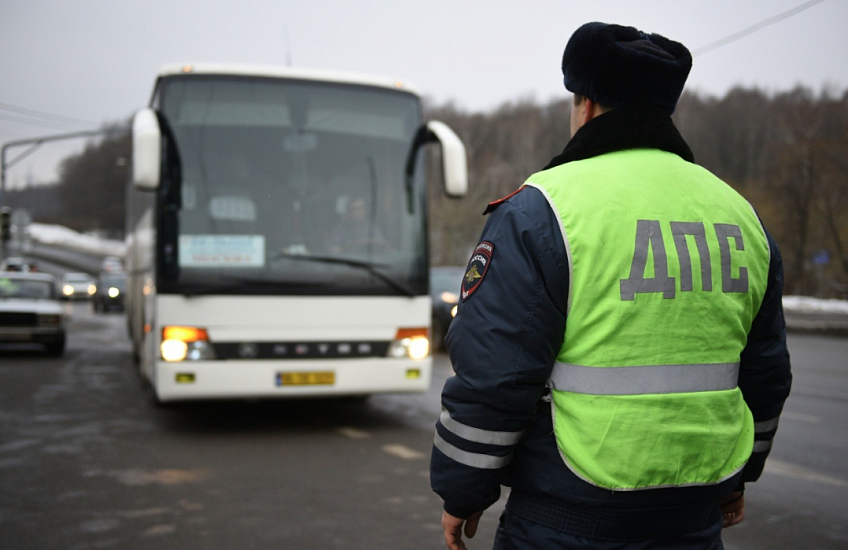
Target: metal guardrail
[[78, 261]]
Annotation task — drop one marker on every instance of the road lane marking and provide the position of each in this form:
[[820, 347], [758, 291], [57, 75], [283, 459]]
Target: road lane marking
[[790, 470], [801, 417], [99, 525], [18, 445], [352, 433], [170, 476], [402, 451], [149, 512], [158, 530]]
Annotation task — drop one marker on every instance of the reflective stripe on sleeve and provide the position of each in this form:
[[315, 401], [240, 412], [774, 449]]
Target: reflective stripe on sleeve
[[641, 380], [762, 446], [766, 425], [477, 435], [475, 460]]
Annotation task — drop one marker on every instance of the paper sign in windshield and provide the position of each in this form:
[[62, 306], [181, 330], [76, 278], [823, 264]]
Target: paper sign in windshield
[[222, 250]]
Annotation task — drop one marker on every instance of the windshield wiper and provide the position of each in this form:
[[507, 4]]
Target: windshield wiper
[[247, 283], [370, 267]]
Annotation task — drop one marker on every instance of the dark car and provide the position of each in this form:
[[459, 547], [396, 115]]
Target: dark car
[[16, 264], [112, 264], [445, 283], [111, 289]]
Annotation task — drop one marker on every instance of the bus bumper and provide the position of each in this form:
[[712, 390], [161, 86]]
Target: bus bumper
[[236, 379]]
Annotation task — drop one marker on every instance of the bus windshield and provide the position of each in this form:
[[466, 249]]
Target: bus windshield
[[291, 187]]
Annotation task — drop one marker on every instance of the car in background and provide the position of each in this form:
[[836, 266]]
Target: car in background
[[30, 311], [111, 289], [78, 286], [16, 264], [445, 284], [111, 264]]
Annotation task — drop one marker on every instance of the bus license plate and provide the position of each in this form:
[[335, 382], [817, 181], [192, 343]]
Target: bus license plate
[[323, 378]]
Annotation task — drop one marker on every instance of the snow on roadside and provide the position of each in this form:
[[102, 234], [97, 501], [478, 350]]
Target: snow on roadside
[[57, 235], [805, 304]]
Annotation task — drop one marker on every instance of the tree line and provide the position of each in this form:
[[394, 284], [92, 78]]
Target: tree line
[[89, 195], [785, 152]]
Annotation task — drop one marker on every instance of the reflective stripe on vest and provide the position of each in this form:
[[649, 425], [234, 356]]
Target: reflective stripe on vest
[[644, 379]]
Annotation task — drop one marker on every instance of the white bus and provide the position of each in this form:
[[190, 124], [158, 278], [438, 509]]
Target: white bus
[[277, 234]]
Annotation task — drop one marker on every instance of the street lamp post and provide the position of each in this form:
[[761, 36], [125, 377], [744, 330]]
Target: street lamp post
[[34, 144]]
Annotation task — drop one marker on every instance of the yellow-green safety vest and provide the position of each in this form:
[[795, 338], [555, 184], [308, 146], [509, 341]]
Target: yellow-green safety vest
[[668, 268]]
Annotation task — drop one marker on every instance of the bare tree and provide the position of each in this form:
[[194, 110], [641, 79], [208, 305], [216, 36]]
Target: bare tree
[[93, 185]]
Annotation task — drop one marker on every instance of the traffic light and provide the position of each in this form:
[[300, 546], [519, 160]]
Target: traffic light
[[5, 223]]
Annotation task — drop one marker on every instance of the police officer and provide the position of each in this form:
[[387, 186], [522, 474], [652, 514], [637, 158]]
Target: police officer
[[619, 349]]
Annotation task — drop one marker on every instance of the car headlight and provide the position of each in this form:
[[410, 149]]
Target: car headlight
[[67, 290], [410, 343], [185, 344], [92, 289], [113, 292]]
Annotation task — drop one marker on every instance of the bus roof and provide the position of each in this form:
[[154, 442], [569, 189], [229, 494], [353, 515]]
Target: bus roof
[[271, 71]]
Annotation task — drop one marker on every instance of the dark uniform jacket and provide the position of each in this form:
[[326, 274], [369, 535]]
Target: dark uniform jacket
[[495, 428]]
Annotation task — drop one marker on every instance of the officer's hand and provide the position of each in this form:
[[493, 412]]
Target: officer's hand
[[732, 509], [453, 529]]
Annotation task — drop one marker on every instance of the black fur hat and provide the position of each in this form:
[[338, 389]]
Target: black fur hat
[[619, 66]]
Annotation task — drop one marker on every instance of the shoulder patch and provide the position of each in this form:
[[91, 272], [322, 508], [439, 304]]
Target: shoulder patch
[[494, 204], [477, 268]]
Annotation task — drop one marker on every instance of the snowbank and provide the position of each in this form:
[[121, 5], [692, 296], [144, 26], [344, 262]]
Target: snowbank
[[57, 235], [804, 304]]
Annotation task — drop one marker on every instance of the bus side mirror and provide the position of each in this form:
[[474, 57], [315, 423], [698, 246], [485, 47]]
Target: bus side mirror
[[454, 162], [147, 150]]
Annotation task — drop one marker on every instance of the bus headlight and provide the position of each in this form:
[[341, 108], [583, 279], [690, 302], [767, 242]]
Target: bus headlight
[[410, 343], [185, 344], [174, 350]]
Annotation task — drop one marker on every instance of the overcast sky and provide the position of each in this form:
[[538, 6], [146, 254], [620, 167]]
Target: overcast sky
[[93, 61]]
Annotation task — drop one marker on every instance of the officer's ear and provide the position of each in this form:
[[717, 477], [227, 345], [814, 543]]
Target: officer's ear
[[591, 109], [583, 110]]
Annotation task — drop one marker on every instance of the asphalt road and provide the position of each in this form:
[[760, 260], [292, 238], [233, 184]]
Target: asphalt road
[[86, 461], [801, 501]]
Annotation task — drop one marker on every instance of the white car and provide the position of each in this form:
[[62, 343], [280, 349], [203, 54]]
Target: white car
[[30, 311], [78, 286]]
